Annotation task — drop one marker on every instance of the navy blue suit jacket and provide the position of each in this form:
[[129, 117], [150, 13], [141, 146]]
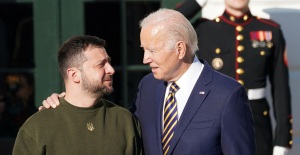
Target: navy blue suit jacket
[[216, 122]]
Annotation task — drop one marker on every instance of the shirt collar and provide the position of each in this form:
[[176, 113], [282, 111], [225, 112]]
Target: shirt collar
[[190, 77]]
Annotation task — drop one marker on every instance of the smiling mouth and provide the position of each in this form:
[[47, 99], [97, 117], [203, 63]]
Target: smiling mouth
[[153, 67], [108, 80]]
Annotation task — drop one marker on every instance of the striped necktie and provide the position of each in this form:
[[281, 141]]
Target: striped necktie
[[170, 117]]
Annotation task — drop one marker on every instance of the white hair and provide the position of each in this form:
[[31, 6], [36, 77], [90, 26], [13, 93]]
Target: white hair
[[177, 27]]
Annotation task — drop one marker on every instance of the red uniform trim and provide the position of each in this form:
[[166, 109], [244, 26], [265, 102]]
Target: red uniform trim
[[235, 24], [237, 77], [269, 22]]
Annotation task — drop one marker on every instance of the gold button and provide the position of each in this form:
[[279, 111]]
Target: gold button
[[262, 53], [239, 37], [291, 142], [217, 19], [241, 82], [265, 113], [291, 131], [239, 28], [240, 59], [245, 17], [232, 18], [291, 120], [240, 71], [240, 48], [218, 50]]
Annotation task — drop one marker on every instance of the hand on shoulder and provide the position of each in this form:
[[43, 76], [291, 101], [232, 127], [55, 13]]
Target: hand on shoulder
[[52, 101]]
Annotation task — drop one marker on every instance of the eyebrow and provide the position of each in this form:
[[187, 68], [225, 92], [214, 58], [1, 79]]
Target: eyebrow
[[106, 59]]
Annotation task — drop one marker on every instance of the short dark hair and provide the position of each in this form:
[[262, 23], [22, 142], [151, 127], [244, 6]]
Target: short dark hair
[[71, 52]]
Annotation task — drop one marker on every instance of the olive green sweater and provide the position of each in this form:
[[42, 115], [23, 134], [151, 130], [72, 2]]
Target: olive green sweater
[[106, 129]]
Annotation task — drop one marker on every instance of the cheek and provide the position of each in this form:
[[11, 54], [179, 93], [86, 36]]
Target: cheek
[[101, 75], [168, 63], [164, 57]]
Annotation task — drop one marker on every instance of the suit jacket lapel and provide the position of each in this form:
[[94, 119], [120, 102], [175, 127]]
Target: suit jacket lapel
[[197, 97], [160, 94]]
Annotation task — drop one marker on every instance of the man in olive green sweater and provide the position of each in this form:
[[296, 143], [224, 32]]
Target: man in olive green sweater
[[84, 124]]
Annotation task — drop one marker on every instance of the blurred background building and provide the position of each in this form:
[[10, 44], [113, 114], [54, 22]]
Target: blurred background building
[[31, 32]]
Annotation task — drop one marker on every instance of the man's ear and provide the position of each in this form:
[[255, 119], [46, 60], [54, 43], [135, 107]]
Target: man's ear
[[181, 49], [74, 74]]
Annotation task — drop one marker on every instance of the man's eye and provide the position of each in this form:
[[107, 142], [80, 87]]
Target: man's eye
[[100, 65], [151, 51]]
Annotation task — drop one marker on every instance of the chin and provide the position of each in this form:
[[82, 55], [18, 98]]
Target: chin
[[156, 76], [108, 89]]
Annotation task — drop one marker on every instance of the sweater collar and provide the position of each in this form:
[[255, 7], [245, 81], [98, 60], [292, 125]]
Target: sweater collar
[[66, 104]]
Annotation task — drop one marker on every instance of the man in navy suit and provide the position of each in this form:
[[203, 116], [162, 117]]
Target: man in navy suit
[[212, 115], [213, 111], [252, 50]]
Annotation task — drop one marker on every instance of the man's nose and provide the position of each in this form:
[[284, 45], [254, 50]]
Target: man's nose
[[109, 70], [147, 58]]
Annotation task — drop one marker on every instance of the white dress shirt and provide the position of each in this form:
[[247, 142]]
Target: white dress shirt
[[186, 84]]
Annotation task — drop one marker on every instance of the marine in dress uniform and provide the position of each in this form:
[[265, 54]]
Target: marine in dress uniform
[[250, 49]]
